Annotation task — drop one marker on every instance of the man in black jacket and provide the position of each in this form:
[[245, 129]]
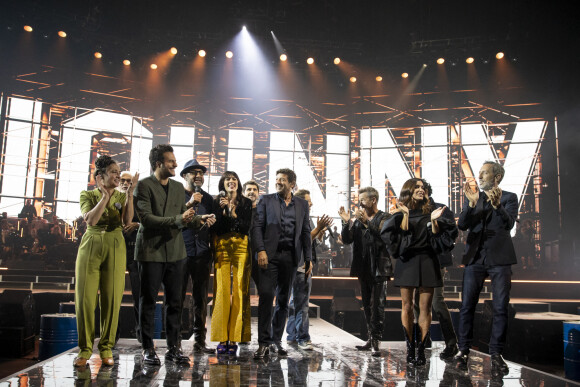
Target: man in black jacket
[[280, 236], [371, 262], [488, 215], [199, 255]]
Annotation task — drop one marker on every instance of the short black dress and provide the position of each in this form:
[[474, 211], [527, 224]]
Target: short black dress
[[416, 249]]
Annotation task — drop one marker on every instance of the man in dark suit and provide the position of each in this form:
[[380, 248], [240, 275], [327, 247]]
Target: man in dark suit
[[199, 255], [160, 250], [488, 215], [280, 236]]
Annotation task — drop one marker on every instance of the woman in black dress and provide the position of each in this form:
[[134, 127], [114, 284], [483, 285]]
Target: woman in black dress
[[415, 235]]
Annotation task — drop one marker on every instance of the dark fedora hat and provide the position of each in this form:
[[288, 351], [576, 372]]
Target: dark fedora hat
[[192, 164]]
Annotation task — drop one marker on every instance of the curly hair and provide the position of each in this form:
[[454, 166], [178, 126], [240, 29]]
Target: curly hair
[[156, 154], [406, 197], [290, 174], [102, 163], [222, 186]]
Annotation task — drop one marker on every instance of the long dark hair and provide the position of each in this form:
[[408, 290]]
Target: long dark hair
[[222, 186], [406, 197], [102, 163]]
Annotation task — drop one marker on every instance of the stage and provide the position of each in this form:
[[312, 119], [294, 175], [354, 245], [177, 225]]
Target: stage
[[333, 362]]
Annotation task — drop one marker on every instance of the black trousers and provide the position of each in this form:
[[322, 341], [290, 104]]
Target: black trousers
[[374, 299], [275, 281], [255, 270], [133, 270], [152, 275], [198, 268]]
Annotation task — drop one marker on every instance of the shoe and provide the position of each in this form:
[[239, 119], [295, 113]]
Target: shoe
[[498, 364], [175, 354], [461, 358], [222, 348], [305, 345], [448, 352], [278, 349], [232, 349], [365, 347], [199, 347], [410, 346], [80, 361], [375, 351], [108, 361], [291, 342], [150, 357], [421, 359], [262, 352]]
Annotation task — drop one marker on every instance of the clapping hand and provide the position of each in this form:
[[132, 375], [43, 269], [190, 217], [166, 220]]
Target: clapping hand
[[101, 186], [436, 214], [402, 208], [471, 194], [134, 181], [344, 215], [324, 222], [494, 196]]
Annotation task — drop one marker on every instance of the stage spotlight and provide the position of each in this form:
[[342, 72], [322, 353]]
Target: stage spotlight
[[469, 60], [405, 75], [98, 55], [201, 53], [440, 61], [153, 66], [126, 62], [62, 34], [379, 78], [499, 55], [352, 79], [244, 28], [283, 57], [229, 55], [336, 61], [27, 28], [173, 50], [310, 60]]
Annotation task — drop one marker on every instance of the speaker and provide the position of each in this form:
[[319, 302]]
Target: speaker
[[17, 309]]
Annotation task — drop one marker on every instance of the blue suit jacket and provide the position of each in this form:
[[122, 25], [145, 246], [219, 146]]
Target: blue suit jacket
[[490, 229], [266, 229]]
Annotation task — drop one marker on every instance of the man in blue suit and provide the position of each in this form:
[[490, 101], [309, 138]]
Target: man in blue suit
[[488, 215], [281, 237]]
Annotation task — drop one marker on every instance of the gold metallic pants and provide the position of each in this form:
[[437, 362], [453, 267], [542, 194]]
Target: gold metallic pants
[[231, 314]]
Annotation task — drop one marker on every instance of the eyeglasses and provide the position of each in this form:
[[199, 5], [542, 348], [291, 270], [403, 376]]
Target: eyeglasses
[[125, 180], [196, 172]]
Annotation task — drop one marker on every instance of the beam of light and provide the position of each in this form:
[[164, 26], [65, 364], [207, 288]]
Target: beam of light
[[469, 60], [310, 61], [279, 47], [201, 53], [28, 28], [126, 62], [229, 54], [98, 55], [499, 55], [173, 51], [337, 61], [62, 34], [283, 57], [440, 61]]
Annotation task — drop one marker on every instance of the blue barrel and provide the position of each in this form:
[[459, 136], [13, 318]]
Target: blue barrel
[[58, 333], [158, 320], [66, 307], [572, 349]]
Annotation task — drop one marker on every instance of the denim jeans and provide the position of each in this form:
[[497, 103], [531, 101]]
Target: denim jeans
[[298, 325], [473, 279]]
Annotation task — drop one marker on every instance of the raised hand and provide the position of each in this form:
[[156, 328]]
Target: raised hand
[[324, 222], [471, 194], [134, 181], [436, 214], [224, 202], [101, 187], [344, 215], [495, 196], [403, 208]]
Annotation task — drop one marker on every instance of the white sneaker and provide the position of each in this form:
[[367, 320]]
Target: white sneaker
[[305, 345]]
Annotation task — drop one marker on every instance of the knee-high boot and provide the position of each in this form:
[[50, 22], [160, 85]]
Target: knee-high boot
[[421, 360], [410, 346]]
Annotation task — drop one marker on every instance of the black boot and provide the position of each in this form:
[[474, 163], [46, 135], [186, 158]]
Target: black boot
[[375, 351], [410, 347], [367, 345], [421, 360]]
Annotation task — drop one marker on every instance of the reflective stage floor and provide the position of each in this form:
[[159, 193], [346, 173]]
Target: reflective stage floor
[[333, 362]]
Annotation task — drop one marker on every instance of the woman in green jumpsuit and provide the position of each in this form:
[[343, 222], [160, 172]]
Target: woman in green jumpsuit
[[100, 264]]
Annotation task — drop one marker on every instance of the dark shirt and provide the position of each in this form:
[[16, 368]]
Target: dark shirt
[[479, 257], [240, 224], [166, 188], [287, 223], [28, 212], [197, 241]]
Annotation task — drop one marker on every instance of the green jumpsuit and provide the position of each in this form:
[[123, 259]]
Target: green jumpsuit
[[100, 266]]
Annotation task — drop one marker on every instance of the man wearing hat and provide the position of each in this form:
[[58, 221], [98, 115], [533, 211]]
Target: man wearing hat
[[199, 256]]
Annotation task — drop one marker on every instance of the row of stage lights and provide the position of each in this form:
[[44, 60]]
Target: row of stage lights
[[283, 57]]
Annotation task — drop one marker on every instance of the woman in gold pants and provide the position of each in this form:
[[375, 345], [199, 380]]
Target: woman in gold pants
[[230, 322], [100, 263]]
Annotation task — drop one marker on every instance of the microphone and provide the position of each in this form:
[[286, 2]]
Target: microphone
[[197, 188], [223, 195]]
